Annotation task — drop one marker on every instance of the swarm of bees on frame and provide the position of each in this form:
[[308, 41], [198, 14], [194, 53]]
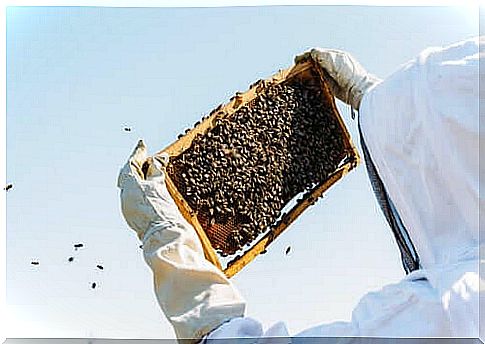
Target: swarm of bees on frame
[[241, 173]]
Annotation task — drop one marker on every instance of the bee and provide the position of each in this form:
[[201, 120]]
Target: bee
[[70, 259], [76, 246], [288, 249], [231, 152], [100, 267], [93, 285], [34, 263], [8, 187], [127, 129]]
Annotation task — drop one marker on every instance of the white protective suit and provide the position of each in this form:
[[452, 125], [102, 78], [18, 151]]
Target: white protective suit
[[421, 129]]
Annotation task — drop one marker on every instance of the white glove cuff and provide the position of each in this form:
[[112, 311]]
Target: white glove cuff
[[357, 91], [350, 81]]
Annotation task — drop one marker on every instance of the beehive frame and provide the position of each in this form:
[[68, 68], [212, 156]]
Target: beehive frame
[[300, 70]]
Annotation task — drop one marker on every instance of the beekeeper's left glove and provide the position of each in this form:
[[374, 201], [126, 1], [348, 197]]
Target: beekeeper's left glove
[[349, 80], [195, 296]]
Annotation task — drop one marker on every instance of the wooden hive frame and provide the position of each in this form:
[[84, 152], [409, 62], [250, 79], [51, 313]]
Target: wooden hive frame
[[300, 70]]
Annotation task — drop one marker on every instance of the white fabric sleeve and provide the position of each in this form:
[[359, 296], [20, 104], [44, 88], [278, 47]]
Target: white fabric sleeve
[[195, 296], [411, 308], [250, 330]]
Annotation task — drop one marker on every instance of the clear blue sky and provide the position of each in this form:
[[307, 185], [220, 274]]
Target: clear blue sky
[[77, 76]]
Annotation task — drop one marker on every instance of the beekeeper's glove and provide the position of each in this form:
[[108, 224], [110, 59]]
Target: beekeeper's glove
[[349, 80], [195, 296]]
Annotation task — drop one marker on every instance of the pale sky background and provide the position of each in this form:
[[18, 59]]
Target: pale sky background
[[77, 75]]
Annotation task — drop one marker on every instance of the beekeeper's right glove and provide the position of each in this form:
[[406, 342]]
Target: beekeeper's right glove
[[195, 295], [349, 81]]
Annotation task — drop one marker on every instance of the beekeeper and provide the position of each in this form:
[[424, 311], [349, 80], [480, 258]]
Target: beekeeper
[[420, 136]]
